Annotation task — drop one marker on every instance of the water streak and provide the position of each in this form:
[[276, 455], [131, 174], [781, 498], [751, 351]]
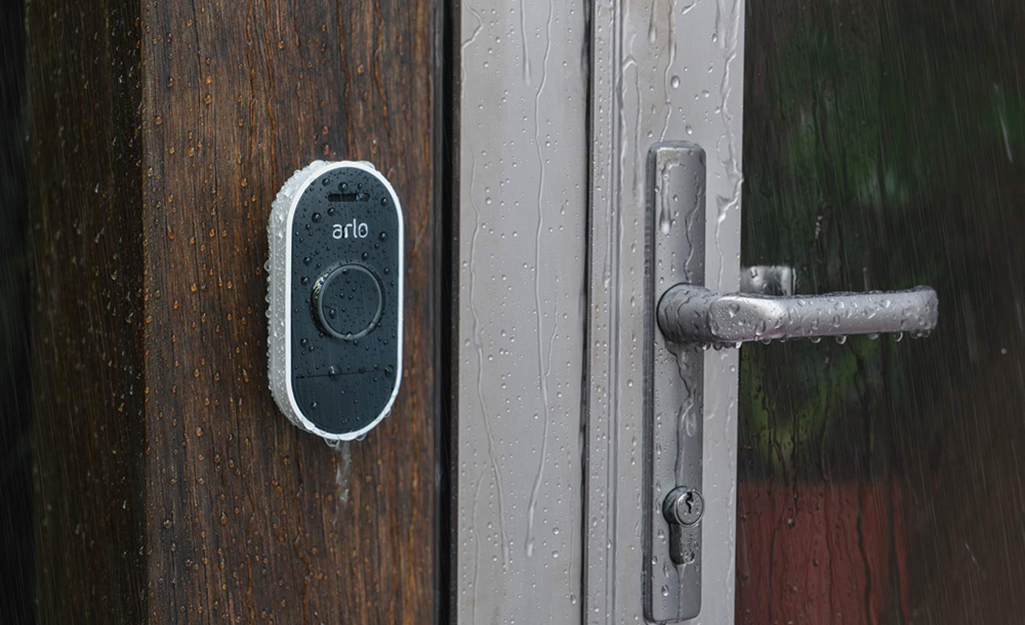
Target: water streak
[[727, 28], [542, 371], [478, 341], [524, 48], [342, 472], [666, 79]]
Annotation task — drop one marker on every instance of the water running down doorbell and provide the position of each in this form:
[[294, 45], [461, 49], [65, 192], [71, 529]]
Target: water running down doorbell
[[335, 293]]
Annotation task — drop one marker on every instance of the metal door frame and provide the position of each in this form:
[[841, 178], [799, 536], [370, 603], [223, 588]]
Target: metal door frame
[[676, 73], [565, 100], [522, 274]]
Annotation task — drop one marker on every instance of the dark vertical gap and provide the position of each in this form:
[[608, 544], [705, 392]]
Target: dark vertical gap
[[587, 55], [16, 545], [446, 203]]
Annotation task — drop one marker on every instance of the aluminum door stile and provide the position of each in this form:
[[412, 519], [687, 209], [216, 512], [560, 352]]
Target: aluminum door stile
[[522, 312], [663, 70]]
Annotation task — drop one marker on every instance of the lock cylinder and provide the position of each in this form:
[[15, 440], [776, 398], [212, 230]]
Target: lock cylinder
[[335, 294]]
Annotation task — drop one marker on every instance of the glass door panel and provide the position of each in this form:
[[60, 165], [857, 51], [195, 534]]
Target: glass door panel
[[880, 481]]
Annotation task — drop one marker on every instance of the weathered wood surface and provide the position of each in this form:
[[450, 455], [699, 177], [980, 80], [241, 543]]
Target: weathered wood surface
[[168, 487]]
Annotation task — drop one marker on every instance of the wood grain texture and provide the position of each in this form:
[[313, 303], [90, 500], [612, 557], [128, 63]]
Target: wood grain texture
[[233, 514], [86, 329]]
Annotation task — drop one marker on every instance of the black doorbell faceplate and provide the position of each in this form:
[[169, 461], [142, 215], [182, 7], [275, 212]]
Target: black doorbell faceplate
[[336, 270]]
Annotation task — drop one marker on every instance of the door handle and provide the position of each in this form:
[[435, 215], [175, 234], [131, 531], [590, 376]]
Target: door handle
[[693, 314], [682, 318]]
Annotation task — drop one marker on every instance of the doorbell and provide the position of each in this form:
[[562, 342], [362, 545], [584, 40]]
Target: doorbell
[[335, 294]]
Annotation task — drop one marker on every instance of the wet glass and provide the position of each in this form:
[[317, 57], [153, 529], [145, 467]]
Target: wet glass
[[881, 481]]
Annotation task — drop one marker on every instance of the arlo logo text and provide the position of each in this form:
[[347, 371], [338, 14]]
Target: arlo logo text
[[355, 230]]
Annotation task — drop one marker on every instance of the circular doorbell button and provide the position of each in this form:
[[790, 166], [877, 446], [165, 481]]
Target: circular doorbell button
[[348, 302]]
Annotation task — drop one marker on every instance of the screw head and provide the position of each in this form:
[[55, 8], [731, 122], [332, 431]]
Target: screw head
[[683, 506]]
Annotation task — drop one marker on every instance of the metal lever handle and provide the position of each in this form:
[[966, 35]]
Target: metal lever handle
[[693, 314], [681, 509]]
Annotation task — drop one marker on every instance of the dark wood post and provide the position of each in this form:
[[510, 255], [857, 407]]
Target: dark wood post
[[168, 487]]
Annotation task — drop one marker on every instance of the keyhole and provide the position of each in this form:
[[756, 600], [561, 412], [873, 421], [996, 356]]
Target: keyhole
[[683, 506]]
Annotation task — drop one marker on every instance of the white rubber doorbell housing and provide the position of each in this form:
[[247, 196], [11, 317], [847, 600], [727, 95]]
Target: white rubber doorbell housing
[[336, 266]]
